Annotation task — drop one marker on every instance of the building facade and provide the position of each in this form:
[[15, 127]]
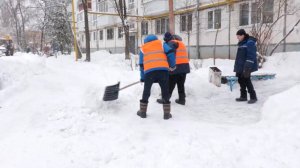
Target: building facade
[[218, 24]]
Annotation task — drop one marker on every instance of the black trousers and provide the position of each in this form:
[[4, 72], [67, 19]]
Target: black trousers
[[246, 84], [179, 80], [160, 77]]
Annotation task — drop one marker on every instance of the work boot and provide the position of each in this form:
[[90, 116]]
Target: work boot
[[253, 98], [167, 111], [181, 99], [243, 96], [143, 110]]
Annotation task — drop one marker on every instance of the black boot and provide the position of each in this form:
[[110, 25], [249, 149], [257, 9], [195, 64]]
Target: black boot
[[143, 110], [181, 99], [243, 96], [167, 111], [253, 98]]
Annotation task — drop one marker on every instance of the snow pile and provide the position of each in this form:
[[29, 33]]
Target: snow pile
[[13, 69], [52, 115], [283, 109], [286, 65]]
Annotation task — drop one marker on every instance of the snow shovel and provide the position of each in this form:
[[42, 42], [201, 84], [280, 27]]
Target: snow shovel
[[112, 92]]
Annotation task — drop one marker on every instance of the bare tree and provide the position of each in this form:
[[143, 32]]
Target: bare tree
[[293, 28], [120, 6], [266, 20]]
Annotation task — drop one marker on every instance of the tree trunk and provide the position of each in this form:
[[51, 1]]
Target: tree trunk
[[127, 52], [87, 32]]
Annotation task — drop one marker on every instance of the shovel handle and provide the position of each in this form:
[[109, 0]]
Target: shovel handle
[[129, 85]]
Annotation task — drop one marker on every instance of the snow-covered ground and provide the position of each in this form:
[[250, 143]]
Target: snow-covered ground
[[52, 115]]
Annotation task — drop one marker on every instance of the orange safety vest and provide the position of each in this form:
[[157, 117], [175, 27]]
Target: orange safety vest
[[154, 55], [181, 53]]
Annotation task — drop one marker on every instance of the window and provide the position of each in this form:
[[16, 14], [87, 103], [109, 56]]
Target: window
[[268, 11], [120, 32], [102, 6], [144, 26], [158, 26], [94, 20], [217, 19], [255, 13], [252, 13], [244, 14], [110, 34], [131, 26], [214, 19], [101, 34], [80, 5], [162, 26], [95, 36], [130, 4], [82, 38], [210, 20], [186, 22]]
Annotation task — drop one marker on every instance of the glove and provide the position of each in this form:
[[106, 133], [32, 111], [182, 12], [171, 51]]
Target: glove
[[172, 69], [246, 73], [142, 80]]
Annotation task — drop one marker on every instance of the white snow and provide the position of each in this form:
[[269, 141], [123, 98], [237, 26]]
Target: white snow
[[52, 115]]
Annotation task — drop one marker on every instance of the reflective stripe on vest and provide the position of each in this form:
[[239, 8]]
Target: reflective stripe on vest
[[154, 55], [181, 53]]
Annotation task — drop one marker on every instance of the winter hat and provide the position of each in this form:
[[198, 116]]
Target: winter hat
[[168, 36], [241, 32]]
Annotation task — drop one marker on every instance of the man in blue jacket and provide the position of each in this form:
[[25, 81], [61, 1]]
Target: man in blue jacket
[[156, 60], [245, 64], [178, 76]]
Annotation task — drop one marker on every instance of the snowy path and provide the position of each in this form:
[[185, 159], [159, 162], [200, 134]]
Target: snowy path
[[52, 115]]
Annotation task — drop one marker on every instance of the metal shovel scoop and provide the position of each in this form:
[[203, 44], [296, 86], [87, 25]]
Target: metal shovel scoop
[[112, 92]]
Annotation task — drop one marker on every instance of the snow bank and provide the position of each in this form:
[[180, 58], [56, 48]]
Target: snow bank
[[285, 65], [52, 115], [15, 69], [282, 110]]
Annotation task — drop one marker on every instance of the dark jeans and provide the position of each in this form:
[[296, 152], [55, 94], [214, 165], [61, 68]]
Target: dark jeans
[[178, 79], [160, 77], [246, 84]]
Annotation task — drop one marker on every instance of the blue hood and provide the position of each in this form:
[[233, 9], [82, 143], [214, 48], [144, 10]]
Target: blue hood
[[150, 38]]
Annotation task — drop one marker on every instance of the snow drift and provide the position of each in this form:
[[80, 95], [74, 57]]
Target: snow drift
[[52, 115]]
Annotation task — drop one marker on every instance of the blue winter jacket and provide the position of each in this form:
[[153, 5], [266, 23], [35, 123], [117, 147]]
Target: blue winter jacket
[[168, 50], [180, 68], [246, 57]]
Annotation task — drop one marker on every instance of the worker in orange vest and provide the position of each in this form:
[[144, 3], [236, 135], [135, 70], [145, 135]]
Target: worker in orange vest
[[156, 60], [178, 76]]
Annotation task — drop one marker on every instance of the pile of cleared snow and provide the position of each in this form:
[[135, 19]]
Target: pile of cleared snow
[[59, 119], [16, 69], [285, 65], [283, 110]]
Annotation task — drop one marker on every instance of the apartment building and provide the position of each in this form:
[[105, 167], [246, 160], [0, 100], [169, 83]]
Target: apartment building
[[218, 22]]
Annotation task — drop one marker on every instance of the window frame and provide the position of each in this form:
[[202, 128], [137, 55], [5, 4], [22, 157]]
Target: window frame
[[120, 32], [188, 22], [110, 35], [212, 21], [144, 28]]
